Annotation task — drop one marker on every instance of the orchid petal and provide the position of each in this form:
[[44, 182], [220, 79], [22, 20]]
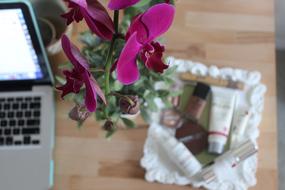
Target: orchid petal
[[152, 57], [138, 26], [72, 85], [73, 13], [100, 15], [97, 27], [81, 3], [158, 19], [90, 94], [73, 54], [98, 90], [95, 15], [121, 4], [127, 69], [75, 76]]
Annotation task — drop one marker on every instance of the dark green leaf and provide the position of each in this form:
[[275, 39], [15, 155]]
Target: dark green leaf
[[110, 133], [145, 114], [129, 123], [142, 3]]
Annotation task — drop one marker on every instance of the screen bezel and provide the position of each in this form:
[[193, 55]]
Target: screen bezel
[[35, 37]]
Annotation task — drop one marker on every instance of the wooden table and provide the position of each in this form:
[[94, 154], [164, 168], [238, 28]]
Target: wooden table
[[236, 33]]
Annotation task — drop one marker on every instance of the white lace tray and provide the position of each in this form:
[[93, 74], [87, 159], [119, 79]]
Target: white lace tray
[[159, 168]]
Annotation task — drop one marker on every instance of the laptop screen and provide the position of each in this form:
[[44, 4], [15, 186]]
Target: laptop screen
[[18, 58]]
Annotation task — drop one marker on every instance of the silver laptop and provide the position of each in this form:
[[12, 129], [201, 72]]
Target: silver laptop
[[26, 102]]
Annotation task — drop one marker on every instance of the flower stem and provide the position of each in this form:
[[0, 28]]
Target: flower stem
[[109, 58], [93, 70]]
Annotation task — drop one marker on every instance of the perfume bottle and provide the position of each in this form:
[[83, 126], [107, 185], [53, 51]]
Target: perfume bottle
[[228, 161]]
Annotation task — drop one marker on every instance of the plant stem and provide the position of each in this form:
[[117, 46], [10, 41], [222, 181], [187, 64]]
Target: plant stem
[[108, 67], [93, 70], [109, 58]]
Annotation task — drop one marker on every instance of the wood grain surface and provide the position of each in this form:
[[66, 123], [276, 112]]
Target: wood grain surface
[[235, 33]]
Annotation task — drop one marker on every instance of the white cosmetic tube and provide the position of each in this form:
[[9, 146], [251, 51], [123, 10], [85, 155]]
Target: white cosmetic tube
[[240, 125], [177, 152], [223, 104]]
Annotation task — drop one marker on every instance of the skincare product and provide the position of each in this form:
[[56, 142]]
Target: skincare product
[[193, 135], [240, 124], [197, 102], [223, 103], [224, 164], [174, 119], [170, 118], [177, 152], [212, 81]]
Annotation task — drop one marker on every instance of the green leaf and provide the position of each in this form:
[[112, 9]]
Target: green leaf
[[167, 103], [170, 71], [175, 93], [145, 114], [151, 105], [88, 39], [129, 123], [163, 93], [60, 80], [110, 133], [100, 115], [66, 65], [117, 86], [142, 3], [79, 124]]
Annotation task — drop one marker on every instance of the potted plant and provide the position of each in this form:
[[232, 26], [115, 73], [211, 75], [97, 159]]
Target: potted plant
[[115, 72]]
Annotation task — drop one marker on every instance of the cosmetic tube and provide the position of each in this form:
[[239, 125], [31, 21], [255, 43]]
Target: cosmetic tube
[[240, 124], [223, 103], [177, 152], [224, 164]]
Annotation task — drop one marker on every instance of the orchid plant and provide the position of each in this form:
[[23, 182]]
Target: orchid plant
[[115, 72]]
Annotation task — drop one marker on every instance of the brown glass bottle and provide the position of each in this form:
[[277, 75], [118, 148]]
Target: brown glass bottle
[[194, 136], [197, 102]]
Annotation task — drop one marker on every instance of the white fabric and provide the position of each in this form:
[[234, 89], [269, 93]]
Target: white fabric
[[159, 168]]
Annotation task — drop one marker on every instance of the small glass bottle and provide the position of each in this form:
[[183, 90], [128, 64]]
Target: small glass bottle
[[193, 135]]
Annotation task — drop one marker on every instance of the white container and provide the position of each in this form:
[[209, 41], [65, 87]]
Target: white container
[[177, 152], [240, 124], [223, 103]]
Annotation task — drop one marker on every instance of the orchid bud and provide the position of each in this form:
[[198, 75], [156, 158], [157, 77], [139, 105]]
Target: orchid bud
[[109, 125], [129, 104], [79, 113]]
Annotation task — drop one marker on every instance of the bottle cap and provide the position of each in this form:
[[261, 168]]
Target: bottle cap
[[216, 148], [201, 90]]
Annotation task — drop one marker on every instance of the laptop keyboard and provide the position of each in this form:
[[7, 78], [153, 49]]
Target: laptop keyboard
[[20, 121]]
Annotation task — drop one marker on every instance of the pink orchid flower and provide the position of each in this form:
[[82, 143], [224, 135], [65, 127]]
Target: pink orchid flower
[[144, 29], [80, 76], [121, 4], [95, 15]]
